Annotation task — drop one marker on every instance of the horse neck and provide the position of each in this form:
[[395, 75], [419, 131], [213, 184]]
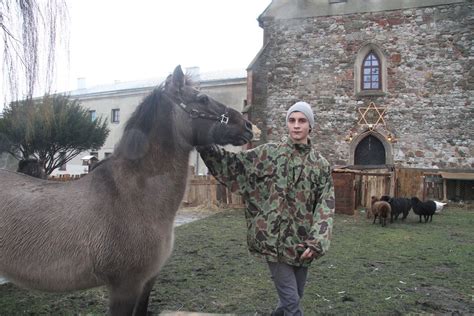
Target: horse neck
[[157, 176], [158, 160], [166, 159]]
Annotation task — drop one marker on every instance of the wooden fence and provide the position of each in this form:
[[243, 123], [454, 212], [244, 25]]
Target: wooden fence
[[409, 182], [207, 191], [353, 188], [66, 177], [201, 190]]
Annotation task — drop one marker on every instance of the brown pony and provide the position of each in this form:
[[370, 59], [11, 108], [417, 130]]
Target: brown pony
[[114, 227]]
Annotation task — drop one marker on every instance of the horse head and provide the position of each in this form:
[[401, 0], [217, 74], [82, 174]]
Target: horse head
[[207, 120]]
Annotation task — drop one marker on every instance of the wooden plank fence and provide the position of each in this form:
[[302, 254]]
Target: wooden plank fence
[[207, 191], [201, 190], [66, 177], [353, 188], [409, 182]]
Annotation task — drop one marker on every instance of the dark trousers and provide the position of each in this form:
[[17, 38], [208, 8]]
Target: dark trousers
[[289, 282]]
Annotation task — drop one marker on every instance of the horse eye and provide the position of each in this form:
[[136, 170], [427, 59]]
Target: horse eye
[[202, 98]]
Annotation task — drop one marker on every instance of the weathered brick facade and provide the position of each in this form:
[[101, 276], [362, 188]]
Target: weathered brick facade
[[428, 80]]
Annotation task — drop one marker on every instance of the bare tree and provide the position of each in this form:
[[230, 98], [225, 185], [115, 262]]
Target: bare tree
[[31, 32]]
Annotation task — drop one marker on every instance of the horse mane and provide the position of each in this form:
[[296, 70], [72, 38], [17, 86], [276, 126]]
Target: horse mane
[[143, 118], [153, 118]]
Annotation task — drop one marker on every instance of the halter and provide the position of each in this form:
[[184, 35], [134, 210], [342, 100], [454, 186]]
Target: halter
[[194, 114]]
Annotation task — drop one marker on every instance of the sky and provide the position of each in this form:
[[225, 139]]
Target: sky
[[126, 40]]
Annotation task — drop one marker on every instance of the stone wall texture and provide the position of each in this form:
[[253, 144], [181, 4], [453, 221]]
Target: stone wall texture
[[429, 56]]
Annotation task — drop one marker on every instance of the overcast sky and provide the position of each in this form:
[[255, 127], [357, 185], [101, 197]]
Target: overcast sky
[[129, 40]]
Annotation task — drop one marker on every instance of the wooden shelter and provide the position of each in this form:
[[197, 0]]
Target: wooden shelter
[[354, 188]]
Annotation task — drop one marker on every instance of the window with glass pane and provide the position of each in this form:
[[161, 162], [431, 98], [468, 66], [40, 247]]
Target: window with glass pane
[[371, 72], [93, 115], [115, 115]]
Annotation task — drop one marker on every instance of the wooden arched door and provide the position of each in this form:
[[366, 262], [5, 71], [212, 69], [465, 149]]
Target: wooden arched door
[[370, 151]]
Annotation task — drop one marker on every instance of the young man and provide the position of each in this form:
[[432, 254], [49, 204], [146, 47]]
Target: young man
[[289, 197]]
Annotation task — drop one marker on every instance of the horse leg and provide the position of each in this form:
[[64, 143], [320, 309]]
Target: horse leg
[[123, 299], [375, 217], [142, 304]]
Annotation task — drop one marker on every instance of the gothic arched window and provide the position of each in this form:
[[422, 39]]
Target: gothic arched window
[[371, 72]]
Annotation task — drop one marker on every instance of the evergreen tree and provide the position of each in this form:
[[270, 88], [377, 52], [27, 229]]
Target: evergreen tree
[[53, 130]]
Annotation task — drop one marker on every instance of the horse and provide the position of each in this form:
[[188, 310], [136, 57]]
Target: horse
[[114, 227]]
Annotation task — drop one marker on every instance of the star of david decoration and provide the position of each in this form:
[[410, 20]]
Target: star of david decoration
[[372, 116]]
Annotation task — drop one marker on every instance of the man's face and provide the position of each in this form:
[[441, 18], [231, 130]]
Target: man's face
[[298, 127]]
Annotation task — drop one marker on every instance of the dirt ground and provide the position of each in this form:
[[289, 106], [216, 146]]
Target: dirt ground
[[189, 214]]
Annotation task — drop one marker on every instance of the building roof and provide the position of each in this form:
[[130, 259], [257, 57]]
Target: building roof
[[146, 84], [457, 175], [293, 9]]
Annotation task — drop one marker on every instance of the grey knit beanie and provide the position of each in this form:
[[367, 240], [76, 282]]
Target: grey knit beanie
[[304, 108]]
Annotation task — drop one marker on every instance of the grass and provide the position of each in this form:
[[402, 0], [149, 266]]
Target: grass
[[406, 268]]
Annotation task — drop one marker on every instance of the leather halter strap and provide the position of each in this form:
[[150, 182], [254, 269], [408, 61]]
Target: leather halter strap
[[193, 113]]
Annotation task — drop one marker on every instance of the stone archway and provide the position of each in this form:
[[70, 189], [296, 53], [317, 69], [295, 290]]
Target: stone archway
[[370, 148]]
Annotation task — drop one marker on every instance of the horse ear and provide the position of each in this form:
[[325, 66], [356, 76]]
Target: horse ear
[[178, 78]]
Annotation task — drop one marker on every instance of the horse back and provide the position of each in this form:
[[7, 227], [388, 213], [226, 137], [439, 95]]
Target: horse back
[[77, 231]]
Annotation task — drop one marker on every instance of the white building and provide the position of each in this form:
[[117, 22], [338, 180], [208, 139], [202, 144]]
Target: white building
[[116, 102]]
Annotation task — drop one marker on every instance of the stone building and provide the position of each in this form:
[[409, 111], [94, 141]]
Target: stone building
[[391, 82]]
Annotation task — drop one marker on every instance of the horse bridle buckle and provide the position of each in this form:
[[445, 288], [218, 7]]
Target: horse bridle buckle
[[224, 119]]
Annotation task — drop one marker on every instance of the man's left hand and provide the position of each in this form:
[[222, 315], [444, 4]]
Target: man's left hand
[[307, 254]]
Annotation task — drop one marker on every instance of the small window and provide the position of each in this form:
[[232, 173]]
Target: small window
[[115, 115], [336, 1], [107, 155], [93, 115], [371, 67], [62, 158]]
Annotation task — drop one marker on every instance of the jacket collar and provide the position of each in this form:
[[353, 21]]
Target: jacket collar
[[301, 149]]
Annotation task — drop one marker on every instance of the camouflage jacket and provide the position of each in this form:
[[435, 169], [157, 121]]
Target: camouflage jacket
[[288, 193]]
